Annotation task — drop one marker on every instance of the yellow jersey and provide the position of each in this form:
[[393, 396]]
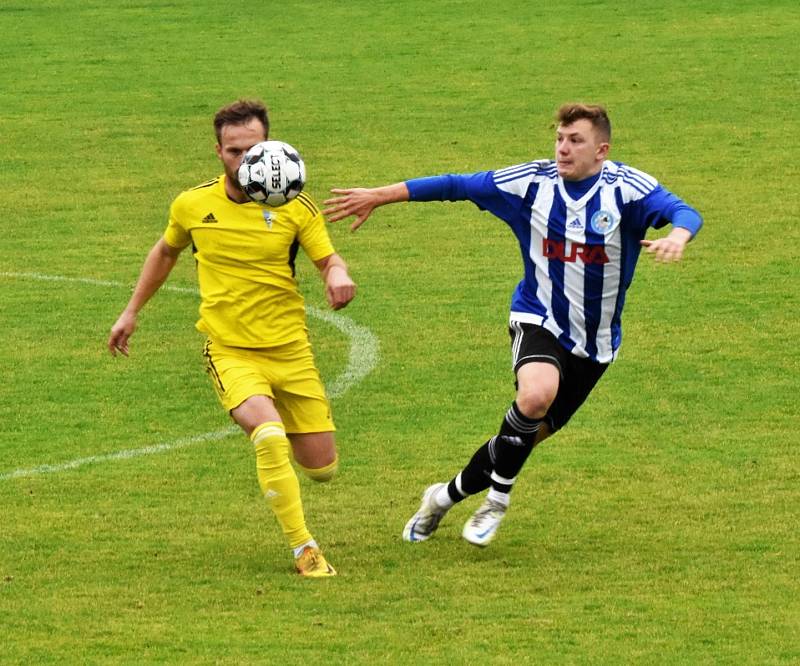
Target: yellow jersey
[[245, 256]]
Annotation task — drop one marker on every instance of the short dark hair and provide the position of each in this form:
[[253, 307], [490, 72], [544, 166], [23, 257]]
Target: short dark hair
[[241, 112], [594, 113]]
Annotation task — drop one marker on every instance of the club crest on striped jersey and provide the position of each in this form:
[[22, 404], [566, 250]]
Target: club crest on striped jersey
[[603, 222]]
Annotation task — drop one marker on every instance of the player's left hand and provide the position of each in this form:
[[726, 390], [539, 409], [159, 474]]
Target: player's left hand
[[339, 288], [670, 248]]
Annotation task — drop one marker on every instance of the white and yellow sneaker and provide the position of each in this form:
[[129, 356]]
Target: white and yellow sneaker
[[311, 563]]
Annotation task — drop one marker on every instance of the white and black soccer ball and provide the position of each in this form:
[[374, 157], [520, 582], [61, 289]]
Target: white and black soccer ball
[[272, 173]]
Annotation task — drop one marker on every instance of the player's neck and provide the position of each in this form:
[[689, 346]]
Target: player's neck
[[234, 193], [577, 188]]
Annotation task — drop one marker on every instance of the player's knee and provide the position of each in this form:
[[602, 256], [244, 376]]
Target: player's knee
[[534, 401], [321, 474]]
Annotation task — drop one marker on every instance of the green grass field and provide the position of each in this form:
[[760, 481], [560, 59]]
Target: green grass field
[[659, 527]]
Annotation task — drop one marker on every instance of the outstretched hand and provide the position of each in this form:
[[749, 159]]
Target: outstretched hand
[[359, 202], [670, 248]]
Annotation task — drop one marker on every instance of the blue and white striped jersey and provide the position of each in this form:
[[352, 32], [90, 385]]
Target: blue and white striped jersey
[[579, 254]]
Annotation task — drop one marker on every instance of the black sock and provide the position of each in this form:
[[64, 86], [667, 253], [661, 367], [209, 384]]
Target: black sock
[[475, 476], [514, 443], [512, 447]]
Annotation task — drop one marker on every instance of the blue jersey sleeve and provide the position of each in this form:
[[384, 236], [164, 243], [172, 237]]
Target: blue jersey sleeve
[[479, 188], [661, 207]]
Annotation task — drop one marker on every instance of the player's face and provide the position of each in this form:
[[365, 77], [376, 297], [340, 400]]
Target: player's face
[[580, 152], [234, 142]]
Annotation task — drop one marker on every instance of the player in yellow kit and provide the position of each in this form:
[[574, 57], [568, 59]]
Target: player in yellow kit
[[257, 350]]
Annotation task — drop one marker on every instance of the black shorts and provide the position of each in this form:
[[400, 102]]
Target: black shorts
[[533, 344]]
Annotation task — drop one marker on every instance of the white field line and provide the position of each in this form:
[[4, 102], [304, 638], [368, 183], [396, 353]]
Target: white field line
[[121, 455], [362, 359]]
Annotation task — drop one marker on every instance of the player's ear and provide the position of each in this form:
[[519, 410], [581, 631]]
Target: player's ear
[[218, 148], [602, 150]]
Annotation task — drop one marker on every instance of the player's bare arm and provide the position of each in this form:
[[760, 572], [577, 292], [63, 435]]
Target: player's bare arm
[[670, 248], [157, 267], [360, 202], [339, 287]]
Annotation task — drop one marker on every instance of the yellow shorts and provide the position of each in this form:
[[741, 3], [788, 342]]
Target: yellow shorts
[[286, 374]]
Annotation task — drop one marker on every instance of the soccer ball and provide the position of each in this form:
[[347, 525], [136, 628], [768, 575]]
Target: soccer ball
[[272, 173]]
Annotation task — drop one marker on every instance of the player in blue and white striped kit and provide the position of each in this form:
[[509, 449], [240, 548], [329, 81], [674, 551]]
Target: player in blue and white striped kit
[[581, 222]]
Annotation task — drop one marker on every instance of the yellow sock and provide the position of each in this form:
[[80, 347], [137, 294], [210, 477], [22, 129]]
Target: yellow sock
[[278, 481]]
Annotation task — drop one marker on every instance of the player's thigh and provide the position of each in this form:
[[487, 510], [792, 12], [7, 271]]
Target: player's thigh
[[580, 377], [537, 387], [549, 374], [537, 360], [238, 375], [254, 411], [531, 343], [300, 394]]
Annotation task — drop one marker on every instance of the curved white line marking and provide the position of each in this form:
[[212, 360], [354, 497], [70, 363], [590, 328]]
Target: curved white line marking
[[364, 351], [362, 359]]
